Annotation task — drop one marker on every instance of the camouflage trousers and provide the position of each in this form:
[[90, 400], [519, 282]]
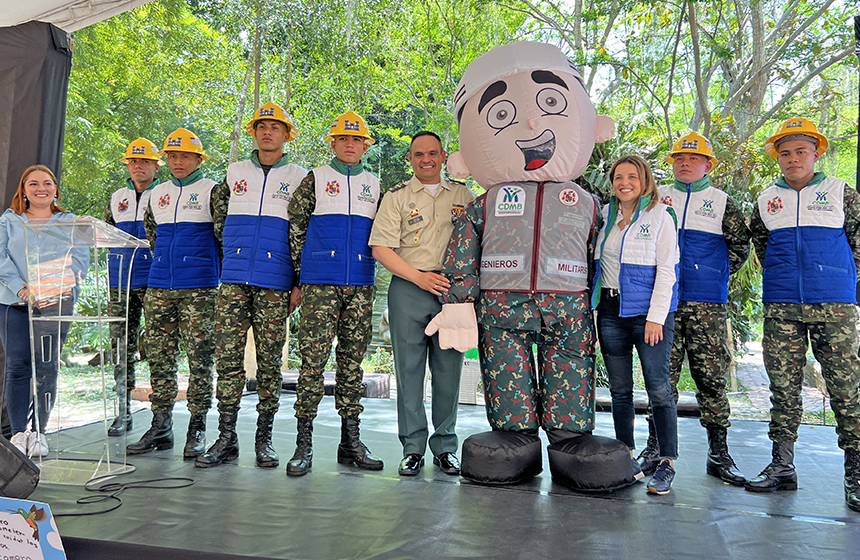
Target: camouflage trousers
[[701, 334], [559, 394], [239, 308], [125, 353], [830, 329], [189, 315], [328, 311]]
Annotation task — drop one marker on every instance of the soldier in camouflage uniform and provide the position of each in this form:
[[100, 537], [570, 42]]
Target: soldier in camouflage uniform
[[180, 301], [714, 242], [331, 214], [250, 213], [125, 211], [806, 232]]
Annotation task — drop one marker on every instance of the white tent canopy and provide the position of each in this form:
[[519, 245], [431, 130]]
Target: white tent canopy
[[68, 15]]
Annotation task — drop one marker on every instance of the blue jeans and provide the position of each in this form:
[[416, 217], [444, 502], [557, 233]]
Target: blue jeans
[[15, 335], [618, 336]]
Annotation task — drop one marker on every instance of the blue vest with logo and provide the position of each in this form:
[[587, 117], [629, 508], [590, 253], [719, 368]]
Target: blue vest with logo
[[256, 231], [186, 251], [808, 257], [704, 268], [638, 270], [336, 251], [127, 212]]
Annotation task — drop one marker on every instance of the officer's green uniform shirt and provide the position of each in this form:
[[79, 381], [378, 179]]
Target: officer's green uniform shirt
[[418, 225]]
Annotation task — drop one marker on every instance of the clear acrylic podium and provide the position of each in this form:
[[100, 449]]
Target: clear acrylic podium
[[67, 277]]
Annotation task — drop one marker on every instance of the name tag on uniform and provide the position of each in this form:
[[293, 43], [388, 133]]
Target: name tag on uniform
[[502, 263], [416, 220], [566, 268]]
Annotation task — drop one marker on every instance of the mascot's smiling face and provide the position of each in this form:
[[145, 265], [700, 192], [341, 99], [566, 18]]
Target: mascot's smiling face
[[535, 124]]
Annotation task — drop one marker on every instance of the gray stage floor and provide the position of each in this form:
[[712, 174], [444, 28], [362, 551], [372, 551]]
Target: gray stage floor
[[339, 512]]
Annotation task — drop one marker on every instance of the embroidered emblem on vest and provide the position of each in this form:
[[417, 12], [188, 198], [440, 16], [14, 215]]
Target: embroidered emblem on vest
[[511, 201], [820, 203], [667, 200], [192, 198], [366, 194], [123, 206], [707, 209], [568, 197], [774, 205], [644, 231], [164, 201], [332, 188], [240, 187]]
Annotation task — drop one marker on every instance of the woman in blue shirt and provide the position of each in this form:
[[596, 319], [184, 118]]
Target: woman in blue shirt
[[635, 293], [35, 202]]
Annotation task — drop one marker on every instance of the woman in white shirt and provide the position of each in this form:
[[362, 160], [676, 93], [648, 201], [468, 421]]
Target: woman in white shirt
[[635, 294]]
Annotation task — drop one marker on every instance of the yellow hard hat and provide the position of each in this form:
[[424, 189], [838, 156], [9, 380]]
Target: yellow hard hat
[[796, 127], [183, 140], [272, 112], [349, 124], [693, 143], [142, 148]]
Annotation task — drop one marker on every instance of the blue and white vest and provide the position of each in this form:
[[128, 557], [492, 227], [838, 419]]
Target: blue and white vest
[[536, 238], [186, 251], [808, 257], [336, 250], [704, 269], [638, 270], [256, 231], [127, 212]]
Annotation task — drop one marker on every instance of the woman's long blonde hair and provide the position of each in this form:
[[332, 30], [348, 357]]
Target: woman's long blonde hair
[[646, 178], [20, 202]]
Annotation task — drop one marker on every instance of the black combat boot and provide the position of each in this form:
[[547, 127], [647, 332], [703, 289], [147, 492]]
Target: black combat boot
[[352, 451], [650, 456], [779, 474], [226, 447], [266, 456], [720, 464], [195, 439], [303, 458], [158, 436], [122, 423], [852, 479]]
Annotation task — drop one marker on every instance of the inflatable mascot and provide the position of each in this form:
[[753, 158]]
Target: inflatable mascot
[[519, 257]]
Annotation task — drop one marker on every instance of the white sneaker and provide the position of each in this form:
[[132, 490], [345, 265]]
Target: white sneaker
[[37, 444], [19, 440]]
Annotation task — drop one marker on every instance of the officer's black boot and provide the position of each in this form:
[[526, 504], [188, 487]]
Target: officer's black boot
[[122, 423], [303, 458], [158, 436], [266, 456], [852, 479], [226, 447], [720, 464], [195, 439], [779, 474], [352, 451], [650, 456]]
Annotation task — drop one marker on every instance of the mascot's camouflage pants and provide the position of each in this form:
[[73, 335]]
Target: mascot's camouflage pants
[[329, 311], [241, 307], [701, 333], [188, 314], [116, 308], [559, 396], [831, 330]]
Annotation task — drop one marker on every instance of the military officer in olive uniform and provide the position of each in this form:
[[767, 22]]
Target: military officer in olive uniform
[[409, 237]]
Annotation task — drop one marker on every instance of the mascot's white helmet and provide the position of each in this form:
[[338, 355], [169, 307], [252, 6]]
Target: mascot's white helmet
[[524, 115]]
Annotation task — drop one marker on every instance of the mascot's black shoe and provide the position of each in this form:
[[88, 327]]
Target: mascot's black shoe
[[447, 463], [410, 465]]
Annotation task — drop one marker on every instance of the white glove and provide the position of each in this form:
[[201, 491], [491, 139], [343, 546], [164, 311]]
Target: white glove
[[457, 327]]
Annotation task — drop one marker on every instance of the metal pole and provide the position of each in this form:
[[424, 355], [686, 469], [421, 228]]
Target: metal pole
[[857, 52]]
